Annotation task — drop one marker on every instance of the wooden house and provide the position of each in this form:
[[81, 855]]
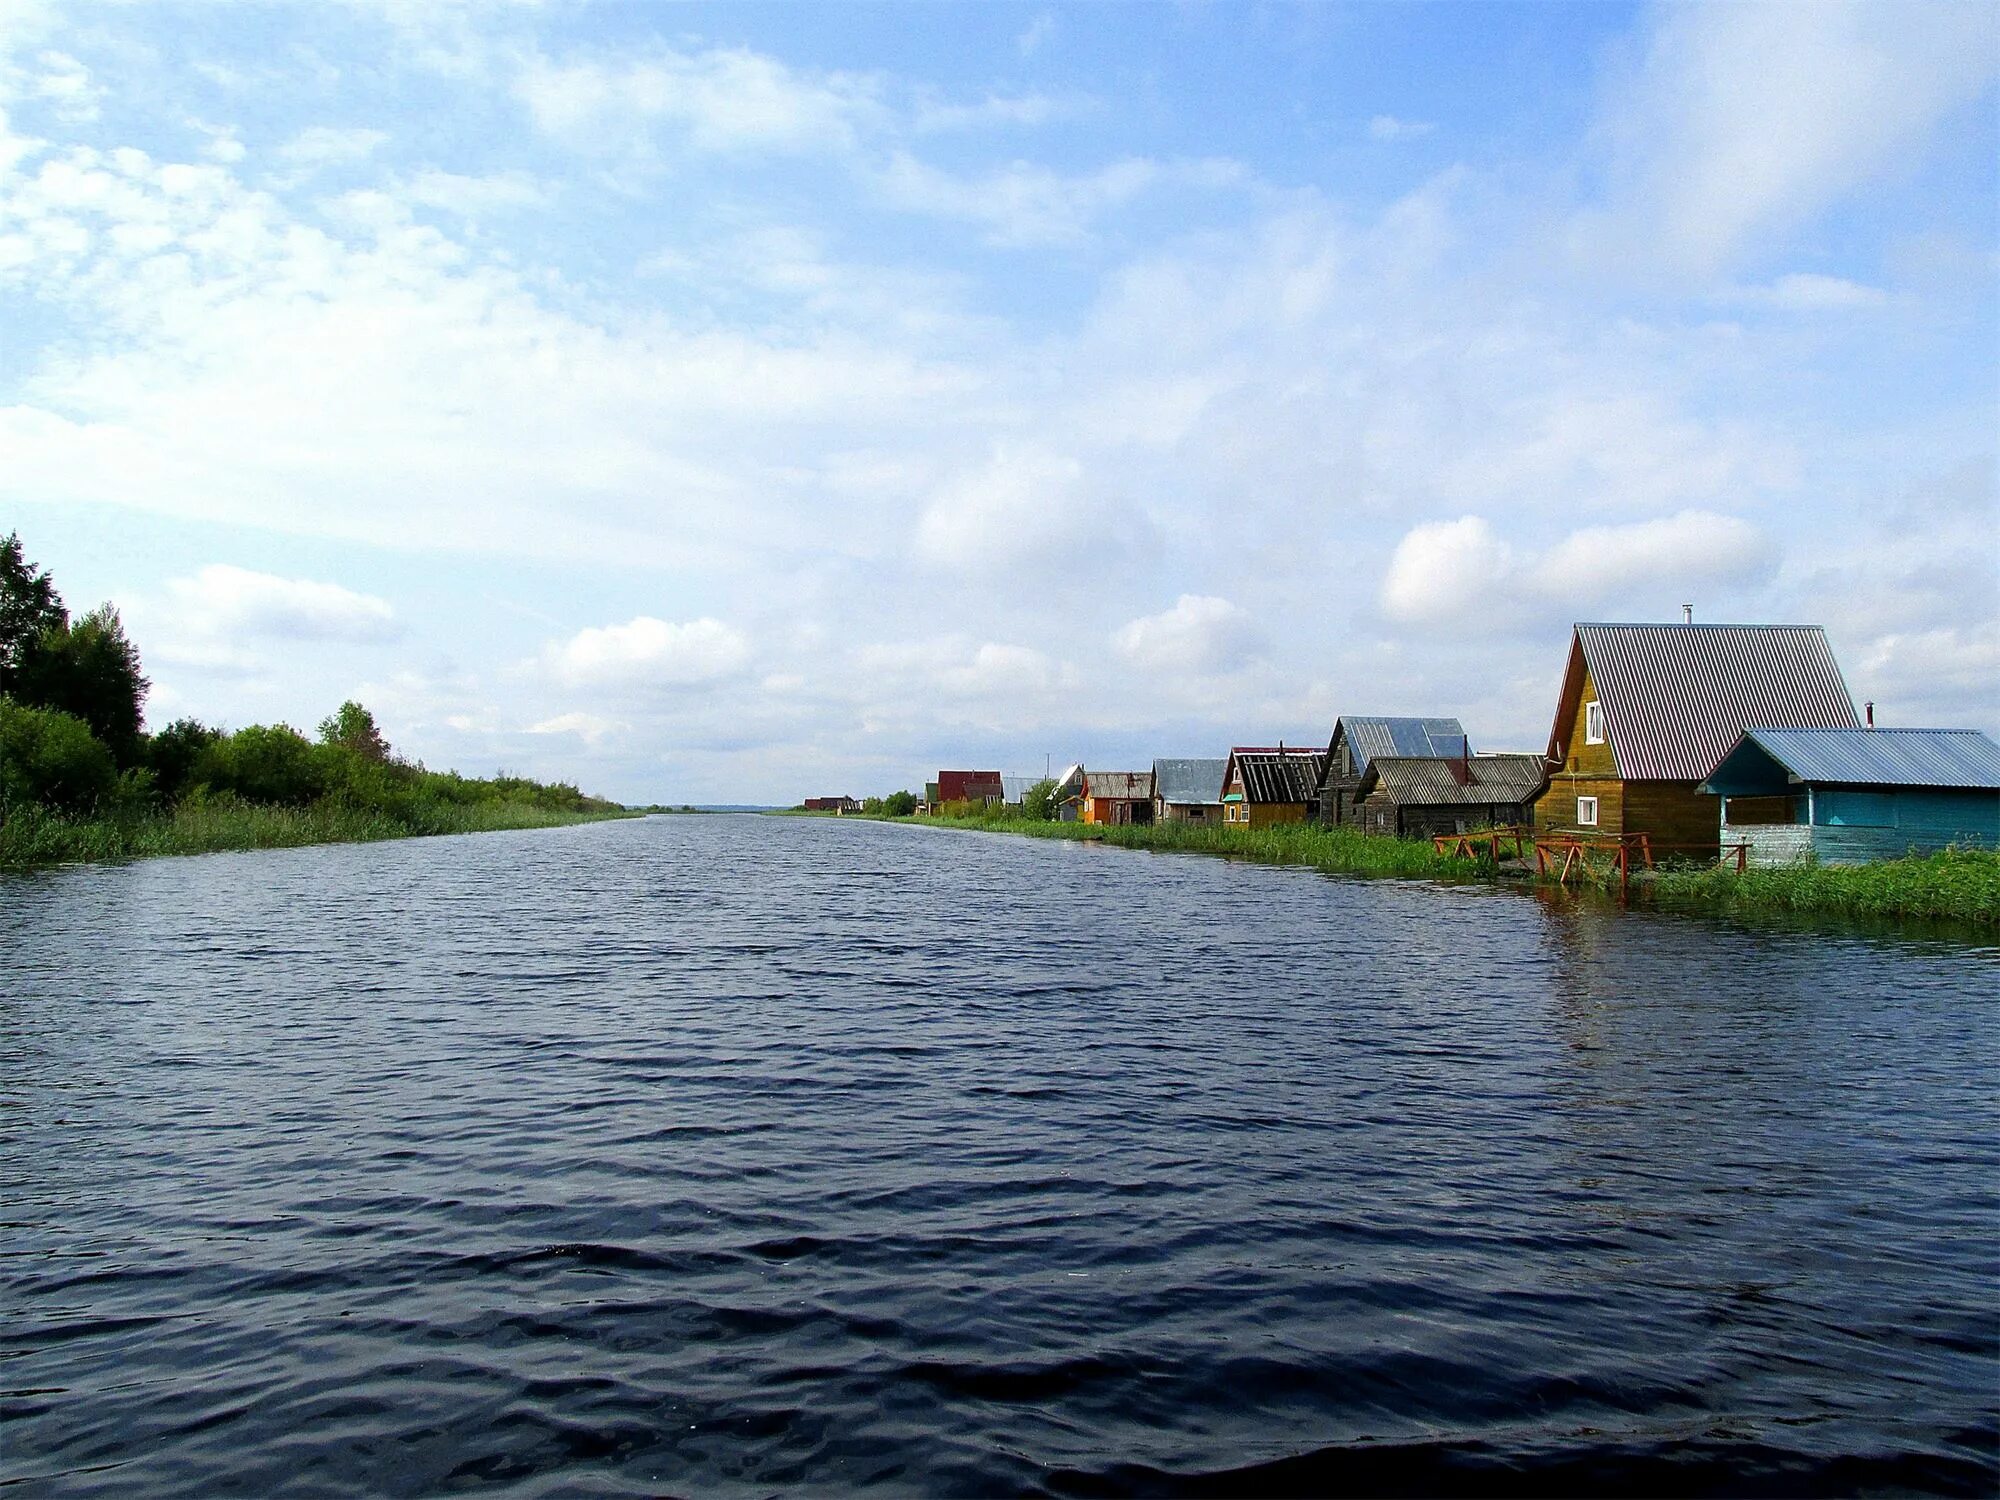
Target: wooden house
[[1848, 796], [832, 804], [1117, 797], [1646, 712], [969, 786], [1188, 791], [1420, 796], [1261, 787], [1359, 738]]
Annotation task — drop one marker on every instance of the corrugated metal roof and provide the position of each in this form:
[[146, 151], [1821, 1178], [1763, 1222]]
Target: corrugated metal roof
[[1432, 781], [1956, 758], [1368, 737], [1135, 786], [1014, 788], [1275, 776], [1676, 696], [1184, 780]]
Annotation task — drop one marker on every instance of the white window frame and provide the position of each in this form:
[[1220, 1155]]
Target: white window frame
[[1586, 812], [1593, 723]]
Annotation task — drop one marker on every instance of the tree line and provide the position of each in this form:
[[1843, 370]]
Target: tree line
[[73, 740]]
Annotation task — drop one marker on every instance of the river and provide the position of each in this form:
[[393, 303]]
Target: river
[[730, 1155]]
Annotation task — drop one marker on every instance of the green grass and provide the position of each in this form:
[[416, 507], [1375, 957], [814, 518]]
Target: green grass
[[1956, 886], [1338, 849], [1960, 885], [32, 836]]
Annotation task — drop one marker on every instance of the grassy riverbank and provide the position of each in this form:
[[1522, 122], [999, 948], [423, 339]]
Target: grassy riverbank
[[1959, 885], [32, 837]]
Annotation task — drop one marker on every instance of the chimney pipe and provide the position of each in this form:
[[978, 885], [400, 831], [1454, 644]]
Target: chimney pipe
[[1871, 713], [1687, 614]]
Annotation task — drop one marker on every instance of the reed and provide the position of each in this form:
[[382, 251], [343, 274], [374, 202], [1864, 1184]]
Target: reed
[[1961, 885]]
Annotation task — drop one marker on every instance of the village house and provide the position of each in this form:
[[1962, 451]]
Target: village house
[[1188, 791], [1647, 711], [1263, 786], [968, 786], [832, 804], [1847, 796], [1421, 796], [1359, 738], [1118, 797]]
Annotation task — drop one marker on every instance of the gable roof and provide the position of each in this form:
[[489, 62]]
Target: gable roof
[[1432, 781], [1960, 759], [1185, 780], [963, 786], [1129, 786], [1676, 696], [1368, 737], [1277, 775]]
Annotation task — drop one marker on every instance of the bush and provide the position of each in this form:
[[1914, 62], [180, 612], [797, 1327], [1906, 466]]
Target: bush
[[900, 804], [172, 754], [264, 763], [1039, 801], [51, 758]]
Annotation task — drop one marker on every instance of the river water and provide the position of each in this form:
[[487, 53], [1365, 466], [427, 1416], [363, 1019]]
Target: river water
[[729, 1155]]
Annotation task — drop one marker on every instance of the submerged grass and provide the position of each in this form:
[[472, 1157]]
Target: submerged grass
[[33, 836], [1956, 885]]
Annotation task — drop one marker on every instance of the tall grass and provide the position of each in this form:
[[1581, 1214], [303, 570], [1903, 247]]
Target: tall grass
[[1339, 849], [1959, 884], [33, 836]]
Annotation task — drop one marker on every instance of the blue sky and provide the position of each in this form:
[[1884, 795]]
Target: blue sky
[[746, 402]]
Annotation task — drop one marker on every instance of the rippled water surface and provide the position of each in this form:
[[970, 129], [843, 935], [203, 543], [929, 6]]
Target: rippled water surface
[[732, 1155]]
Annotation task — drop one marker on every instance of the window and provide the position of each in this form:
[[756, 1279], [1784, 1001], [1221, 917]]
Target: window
[[1593, 723], [1586, 812]]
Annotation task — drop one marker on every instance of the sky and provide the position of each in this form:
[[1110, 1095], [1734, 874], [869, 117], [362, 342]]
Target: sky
[[740, 403]]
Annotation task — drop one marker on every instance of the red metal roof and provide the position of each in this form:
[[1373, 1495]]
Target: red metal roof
[[1677, 696], [968, 786]]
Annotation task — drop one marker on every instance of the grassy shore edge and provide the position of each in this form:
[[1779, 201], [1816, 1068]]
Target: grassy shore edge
[[1955, 886], [33, 839]]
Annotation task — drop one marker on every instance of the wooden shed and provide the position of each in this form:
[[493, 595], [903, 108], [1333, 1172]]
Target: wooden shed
[[1262, 786], [1188, 790], [1118, 797], [1646, 712], [1357, 738], [1849, 796], [970, 786], [1414, 796]]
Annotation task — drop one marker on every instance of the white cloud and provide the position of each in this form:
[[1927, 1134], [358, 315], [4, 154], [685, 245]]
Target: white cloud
[[1744, 121], [1444, 570], [472, 197], [224, 601], [1463, 571], [592, 729], [66, 86], [1025, 204], [722, 100], [1201, 633], [994, 110], [331, 145], [1035, 33], [1390, 128], [647, 652], [1807, 291]]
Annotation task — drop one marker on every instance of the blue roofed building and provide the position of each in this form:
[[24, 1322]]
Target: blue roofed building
[[1358, 739], [1849, 796]]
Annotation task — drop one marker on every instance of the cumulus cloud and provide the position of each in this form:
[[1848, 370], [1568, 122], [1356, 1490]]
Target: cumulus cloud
[[225, 601], [1454, 572], [592, 729], [1201, 633], [647, 652]]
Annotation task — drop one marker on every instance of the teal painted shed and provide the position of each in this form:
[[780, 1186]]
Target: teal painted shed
[[1849, 796]]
